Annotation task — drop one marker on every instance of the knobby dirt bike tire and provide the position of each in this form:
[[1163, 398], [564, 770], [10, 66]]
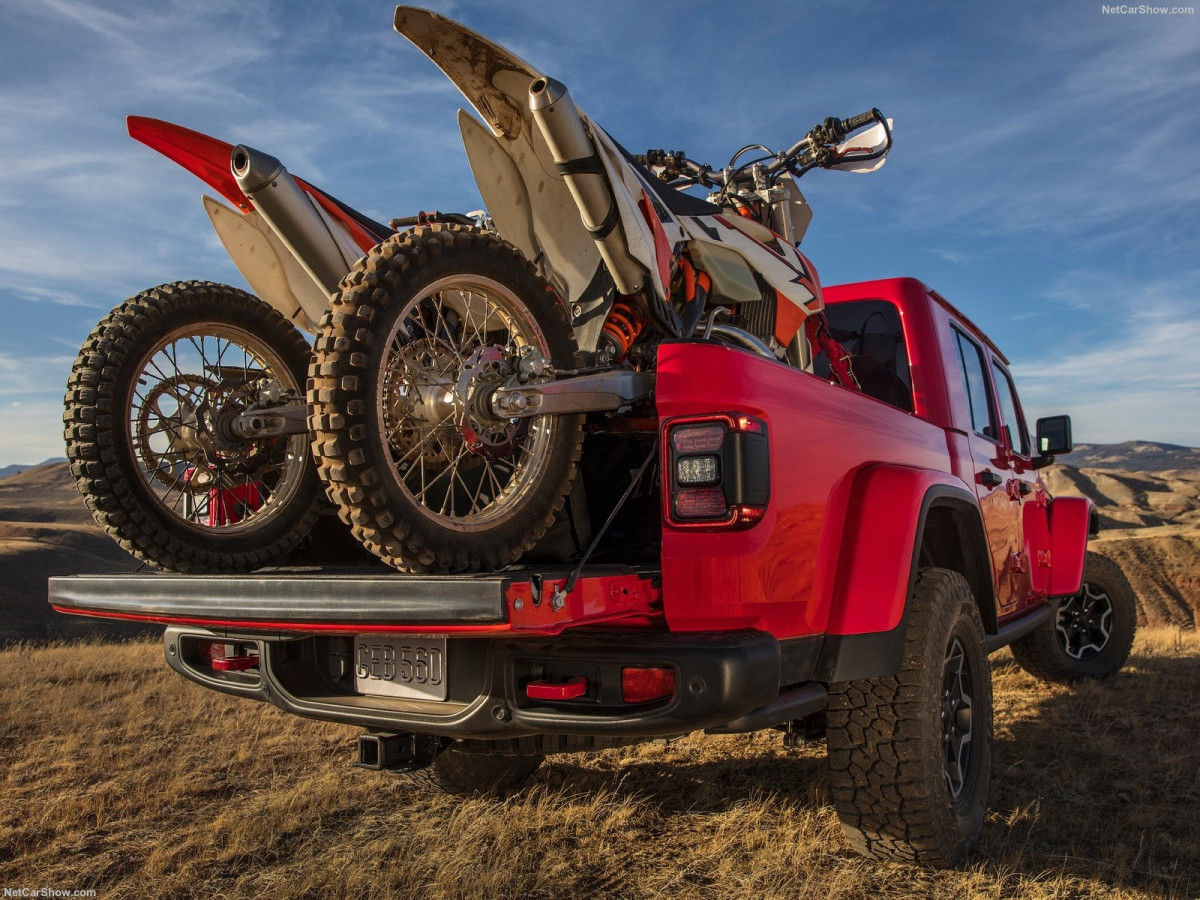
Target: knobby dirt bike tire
[[378, 348], [118, 368]]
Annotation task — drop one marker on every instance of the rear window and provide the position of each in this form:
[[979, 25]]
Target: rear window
[[870, 331]]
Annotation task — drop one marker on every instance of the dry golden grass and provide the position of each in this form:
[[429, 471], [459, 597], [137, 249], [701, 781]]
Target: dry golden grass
[[120, 776]]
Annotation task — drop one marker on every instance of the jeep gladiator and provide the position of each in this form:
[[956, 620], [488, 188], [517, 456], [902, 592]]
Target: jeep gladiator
[[803, 555]]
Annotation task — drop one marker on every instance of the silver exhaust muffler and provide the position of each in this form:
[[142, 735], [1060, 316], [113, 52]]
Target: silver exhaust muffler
[[291, 215], [580, 165]]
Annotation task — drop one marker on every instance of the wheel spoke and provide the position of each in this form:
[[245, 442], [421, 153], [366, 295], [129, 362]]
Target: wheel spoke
[[1084, 623], [957, 725], [174, 444], [446, 344]]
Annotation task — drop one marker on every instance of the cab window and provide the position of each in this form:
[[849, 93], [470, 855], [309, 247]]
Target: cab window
[[1010, 411], [970, 358], [871, 332]]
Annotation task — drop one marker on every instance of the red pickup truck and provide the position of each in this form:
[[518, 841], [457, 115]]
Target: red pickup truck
[[845, 571]]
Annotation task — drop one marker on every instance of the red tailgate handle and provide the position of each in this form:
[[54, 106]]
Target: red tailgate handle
[[567, 690]]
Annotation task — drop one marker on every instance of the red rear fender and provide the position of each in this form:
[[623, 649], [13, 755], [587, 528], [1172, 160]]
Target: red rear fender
[[208, 159], [890, 509], [780, 575], [205, 157]]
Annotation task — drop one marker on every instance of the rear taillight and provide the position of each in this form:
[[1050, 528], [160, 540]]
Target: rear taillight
[[718, 469], [706, 438], [701, 503], [640, 685]]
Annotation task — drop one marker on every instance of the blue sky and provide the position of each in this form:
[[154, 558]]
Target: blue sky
[[1045, 175]]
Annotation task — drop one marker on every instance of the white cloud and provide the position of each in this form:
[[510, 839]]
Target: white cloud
[[33, 374], [1090, 140], [954, 256], [1132, 370]]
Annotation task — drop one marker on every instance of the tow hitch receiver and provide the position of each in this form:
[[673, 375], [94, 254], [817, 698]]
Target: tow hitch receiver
[[397, 752]]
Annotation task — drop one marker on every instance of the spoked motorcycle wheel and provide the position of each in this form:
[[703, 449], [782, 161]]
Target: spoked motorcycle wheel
[[428, 477], [148, 417]]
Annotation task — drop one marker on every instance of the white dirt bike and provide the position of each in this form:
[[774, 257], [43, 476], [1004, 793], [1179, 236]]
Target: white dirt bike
[[456, 362]]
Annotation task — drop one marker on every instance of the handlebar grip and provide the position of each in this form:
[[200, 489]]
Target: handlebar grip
[[872, 115]]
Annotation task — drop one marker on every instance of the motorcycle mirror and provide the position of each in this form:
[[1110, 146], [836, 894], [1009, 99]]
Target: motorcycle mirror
[[860, 150]]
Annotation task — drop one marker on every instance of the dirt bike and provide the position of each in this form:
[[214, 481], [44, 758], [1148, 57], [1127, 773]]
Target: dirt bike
[[456, 362]]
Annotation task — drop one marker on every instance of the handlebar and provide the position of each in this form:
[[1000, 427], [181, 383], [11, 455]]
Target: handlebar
[[676, 165], [849, 125], [785, 160], [815, 149], [831, 131]]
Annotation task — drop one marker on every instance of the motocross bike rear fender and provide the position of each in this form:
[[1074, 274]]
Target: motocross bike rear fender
[[529, 200], [271, 269]]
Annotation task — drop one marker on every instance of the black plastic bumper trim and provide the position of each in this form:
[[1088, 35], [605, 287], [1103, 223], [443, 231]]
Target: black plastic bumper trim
[[720, 677]]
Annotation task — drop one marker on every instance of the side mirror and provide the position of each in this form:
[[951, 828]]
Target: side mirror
[[1053, 438]]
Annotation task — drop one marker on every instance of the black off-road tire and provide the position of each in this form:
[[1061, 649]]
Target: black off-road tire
[[464, 773], [890, 739], [1090, 634], [348, 378], [100, 446]]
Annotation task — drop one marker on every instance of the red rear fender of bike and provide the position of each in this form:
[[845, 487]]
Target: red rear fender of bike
[[205, 157], [208, 159]]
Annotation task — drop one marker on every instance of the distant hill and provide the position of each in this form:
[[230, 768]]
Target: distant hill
[[18, 468], [1132, 456], [1148, 498], [45, 529], [43, 494]]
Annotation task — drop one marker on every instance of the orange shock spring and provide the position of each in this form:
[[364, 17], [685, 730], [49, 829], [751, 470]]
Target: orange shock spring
[[624, 323]]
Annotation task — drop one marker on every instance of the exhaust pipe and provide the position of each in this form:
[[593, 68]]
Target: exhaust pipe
[[291, 215], [579, 163]]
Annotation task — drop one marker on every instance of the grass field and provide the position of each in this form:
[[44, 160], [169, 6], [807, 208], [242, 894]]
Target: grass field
[[120, 776]]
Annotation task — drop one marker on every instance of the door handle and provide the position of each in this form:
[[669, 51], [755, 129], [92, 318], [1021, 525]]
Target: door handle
[[990, 479], [1018, 489]]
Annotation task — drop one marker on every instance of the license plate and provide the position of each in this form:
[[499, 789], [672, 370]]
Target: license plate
[[413, 668]]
